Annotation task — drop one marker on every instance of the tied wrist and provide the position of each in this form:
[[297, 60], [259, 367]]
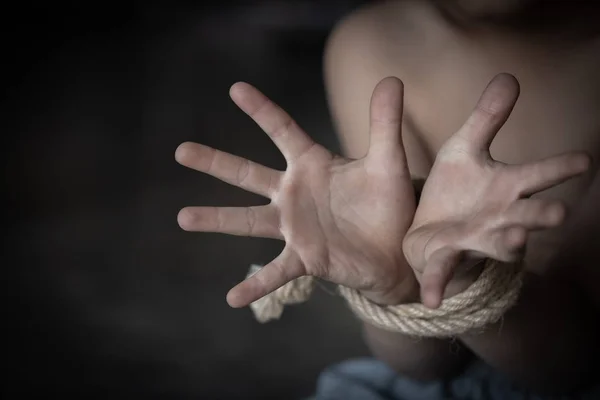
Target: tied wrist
[[404, 293], [299, 290], [461, 283], [469, 304], [483, 303]]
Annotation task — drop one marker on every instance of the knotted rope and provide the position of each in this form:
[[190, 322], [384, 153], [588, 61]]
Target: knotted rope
[[484, 302]]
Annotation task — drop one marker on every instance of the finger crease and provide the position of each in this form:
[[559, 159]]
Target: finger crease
[[284, 128], [260, 109], [251, 219], [219, 219], [213, 156], [243, 171], [271, 189]]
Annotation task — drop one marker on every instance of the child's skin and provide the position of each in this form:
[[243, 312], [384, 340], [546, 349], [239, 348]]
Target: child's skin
[[548, 339], [352, 220]]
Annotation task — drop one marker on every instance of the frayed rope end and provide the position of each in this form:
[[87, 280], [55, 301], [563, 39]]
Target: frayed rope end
[[270, 307]]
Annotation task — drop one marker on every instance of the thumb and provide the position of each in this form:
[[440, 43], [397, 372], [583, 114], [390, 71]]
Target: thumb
[[438, 272], [283, 269], [386, 122], [491, 112]]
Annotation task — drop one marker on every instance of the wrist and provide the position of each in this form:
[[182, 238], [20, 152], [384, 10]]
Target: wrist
[[405, 292], [482, 304], [466, 273]]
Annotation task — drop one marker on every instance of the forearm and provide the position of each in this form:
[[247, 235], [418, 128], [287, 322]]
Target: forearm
[[418, 358], [423, 359], [549, 340]]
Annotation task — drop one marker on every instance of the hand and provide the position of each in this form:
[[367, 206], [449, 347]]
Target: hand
[[473, 206], [342, 220]]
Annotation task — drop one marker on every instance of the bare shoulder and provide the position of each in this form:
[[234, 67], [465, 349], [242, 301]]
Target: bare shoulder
[[376, 41], [354, 61]]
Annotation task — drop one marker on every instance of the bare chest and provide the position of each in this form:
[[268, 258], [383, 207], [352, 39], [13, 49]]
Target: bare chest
[[558, 109], [445, 71]]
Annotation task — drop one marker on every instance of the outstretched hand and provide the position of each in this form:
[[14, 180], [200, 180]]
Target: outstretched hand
[[473, 206], [342, 220]]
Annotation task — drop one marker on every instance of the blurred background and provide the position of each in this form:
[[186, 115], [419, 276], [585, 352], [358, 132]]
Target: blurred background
[[105, 296]]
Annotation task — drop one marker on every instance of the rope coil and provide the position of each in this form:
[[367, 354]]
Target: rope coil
[[484, 302]]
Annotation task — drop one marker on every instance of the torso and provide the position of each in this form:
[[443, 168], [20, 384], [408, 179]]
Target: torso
[[445, 71]]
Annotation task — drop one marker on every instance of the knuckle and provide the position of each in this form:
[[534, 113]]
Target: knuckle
[[212, 159], [488, 111], [282, 273], [273, 184], [220, 220], [243, 171], [284, 128], [279, 269], [260, 281], [251, 219]]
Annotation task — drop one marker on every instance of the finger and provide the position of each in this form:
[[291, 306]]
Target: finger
[[438, 272], [260, 221], [506, 244], [544, 174], [533, 214], [515, 240], [281, 128], [283, 269], [491, 112], [386, 121], [232, 169]]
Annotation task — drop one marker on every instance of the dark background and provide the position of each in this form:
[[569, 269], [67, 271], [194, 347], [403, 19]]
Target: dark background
[[105, 296]]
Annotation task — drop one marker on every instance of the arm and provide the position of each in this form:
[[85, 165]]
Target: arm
[[580, 251], [351, 73], [342, 220], [550, 339]]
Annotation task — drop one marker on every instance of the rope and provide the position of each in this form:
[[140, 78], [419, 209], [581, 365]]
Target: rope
[[271, 306], [483, 303]]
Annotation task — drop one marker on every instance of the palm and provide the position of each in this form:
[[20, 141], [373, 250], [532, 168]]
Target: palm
[[474, 205], [342, 220]]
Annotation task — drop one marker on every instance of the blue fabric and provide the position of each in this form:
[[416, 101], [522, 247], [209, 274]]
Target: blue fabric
[[369, 379]]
